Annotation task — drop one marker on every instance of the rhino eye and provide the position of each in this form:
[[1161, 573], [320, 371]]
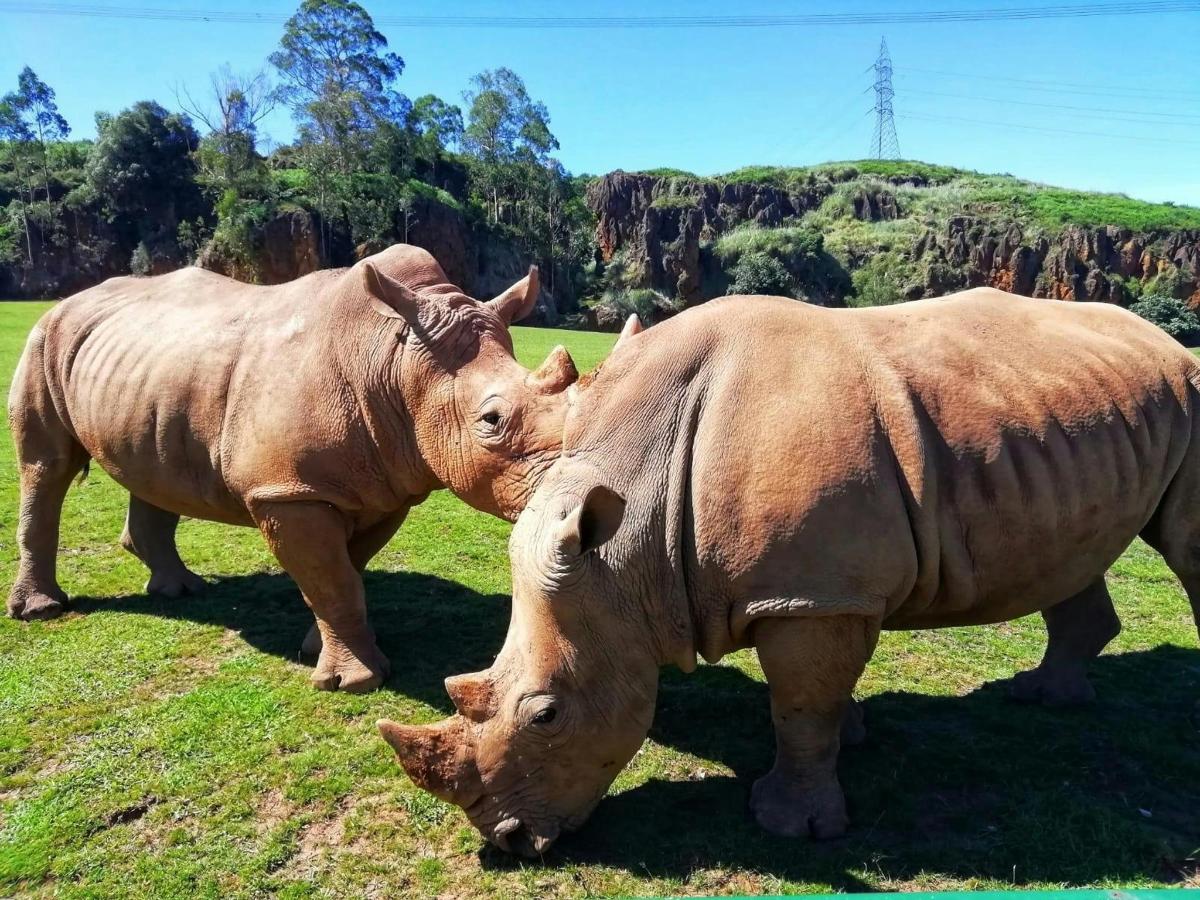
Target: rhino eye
[[491, 418], [546, 716]]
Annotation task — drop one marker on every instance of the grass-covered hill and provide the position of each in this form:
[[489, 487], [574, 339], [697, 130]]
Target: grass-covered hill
[[879, 231]]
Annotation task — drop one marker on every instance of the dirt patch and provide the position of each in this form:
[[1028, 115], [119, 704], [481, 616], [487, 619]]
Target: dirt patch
[[272, 811], [318, 840]]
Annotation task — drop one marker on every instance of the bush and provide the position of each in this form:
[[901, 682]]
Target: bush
[[1171, 315], [648, 304], [139, 262], [884, 279], [758, 273], [797, 249]]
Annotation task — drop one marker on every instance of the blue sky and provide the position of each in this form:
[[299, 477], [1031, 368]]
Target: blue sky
[[985, 95]]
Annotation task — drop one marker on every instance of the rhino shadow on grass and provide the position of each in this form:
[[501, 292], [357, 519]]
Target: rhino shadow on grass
[[959, 787], [427, 626]]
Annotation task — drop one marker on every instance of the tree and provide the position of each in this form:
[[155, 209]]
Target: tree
[[436, 126], [760, 273], [1171, 315], [227, 157], [30, 120], [337, 77], [433, 118], [143, 173], [506, 129]]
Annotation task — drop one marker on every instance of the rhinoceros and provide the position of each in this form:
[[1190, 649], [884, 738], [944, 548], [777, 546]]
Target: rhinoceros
[[319, 411], [758, 472]]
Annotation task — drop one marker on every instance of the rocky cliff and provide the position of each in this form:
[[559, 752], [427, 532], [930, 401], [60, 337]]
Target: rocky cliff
[[929, 230]]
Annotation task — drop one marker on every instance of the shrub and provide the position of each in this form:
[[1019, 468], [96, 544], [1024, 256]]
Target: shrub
[[884, 279], [648, 304], [759, 273], [798, 249], [139, 262], [1171, 315]]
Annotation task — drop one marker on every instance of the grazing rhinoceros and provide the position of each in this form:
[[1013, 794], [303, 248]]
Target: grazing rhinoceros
[[760, 472], [319, 410]]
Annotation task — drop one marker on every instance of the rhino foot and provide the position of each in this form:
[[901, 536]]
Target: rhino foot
[[339, 669], [784, 806], [1054, 687], [175, 583], [30, 604]]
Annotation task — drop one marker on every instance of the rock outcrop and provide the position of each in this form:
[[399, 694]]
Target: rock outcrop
[[1079, 263], [659, 229]]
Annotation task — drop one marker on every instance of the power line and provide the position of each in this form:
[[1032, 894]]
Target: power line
[[1142, 117], [1052, 86], [1011, 13], [884, 143], [928, 117]]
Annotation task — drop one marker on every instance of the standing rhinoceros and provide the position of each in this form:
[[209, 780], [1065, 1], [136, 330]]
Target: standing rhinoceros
[[319, 410], [760, 472]]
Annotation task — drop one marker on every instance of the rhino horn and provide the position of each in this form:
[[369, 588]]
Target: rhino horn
[[437, 757], [518, 301], [633, 325], [556, 374], [389, 297], [472, 695]]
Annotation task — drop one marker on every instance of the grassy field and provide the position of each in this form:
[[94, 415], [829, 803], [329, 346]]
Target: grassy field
[[175, 749]]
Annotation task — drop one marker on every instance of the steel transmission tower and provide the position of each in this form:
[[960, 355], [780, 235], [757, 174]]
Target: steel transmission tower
[[884, 143]]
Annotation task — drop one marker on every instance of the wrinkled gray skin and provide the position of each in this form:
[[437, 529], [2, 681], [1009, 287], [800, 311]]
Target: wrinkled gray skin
[[759, 472], [319, 411]]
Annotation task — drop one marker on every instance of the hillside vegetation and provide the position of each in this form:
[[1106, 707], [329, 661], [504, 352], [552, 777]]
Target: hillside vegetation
[[872, 232]]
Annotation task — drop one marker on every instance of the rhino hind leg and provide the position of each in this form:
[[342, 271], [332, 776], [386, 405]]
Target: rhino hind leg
[[812, 665], [49, 458], [1079, 628], [150, 536]]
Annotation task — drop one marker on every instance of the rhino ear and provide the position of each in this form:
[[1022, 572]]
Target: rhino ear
[[388, 296], [518, 301], [592, 523]]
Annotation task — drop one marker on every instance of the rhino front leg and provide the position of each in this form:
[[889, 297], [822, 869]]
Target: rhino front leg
[[362, 548], [1078, 628], [310, 542], [150, 536], [812, 665]]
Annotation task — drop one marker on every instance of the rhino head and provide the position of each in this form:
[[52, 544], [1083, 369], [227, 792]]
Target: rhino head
[[539, 737], [485, 426]]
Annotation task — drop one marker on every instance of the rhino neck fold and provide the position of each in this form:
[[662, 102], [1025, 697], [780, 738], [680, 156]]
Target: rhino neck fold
[[370, 358]]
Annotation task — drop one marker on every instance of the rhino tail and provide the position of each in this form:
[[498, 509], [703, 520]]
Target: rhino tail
[[83, 473]]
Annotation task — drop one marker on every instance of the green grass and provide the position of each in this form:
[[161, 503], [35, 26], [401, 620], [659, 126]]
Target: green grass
[[157, 748]]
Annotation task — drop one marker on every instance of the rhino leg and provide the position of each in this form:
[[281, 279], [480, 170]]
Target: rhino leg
[[150, 536], [362, 548], [49, 457], [1078, 628], [309, 540], [812, 665], [854, 726]]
